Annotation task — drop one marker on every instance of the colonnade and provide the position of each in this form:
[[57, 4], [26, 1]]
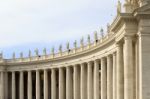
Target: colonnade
[[81, 81], [110, 77]]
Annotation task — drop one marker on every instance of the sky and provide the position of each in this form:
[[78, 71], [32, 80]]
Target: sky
[[29, 24]]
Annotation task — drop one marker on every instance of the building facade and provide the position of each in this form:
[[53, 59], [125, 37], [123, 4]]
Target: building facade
[[115, 66]]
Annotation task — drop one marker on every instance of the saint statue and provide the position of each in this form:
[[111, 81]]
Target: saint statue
[[60, 48], [67, 45], [36, 52], [95, 36], [52, 50], [102, 33], [29, 53], [21, 54], [44, 51], [75, 44], [119, 7], [89, 39], [82, 42], [1, 55], [14, 55]]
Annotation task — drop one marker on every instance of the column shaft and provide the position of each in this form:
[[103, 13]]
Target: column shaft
[[128, 69], [114, 76], [2, 85], [45, 84], [61, 84], [76, 82], [69, 83], [29, 85], [53, 84], [120, 72], [21, 94], [109, 77], [6, 85], [38, 84], [96, 80], [103, 79], [90, 81], [83, 82], [13, 85]]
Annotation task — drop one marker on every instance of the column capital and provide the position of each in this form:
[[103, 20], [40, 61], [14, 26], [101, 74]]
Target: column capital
[[53, 69], [45, 70], [118, 44], [114, 53], [30, 70], [126, 37], [103, 58], [82, 64], [61, 68], [89, 63], [76, 65], [109, 56], [97, 60]]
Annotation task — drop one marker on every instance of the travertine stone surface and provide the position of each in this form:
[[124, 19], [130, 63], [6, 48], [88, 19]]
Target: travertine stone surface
[[113, 66]]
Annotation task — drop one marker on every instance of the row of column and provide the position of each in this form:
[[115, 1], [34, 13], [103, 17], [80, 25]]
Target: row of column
[[111, 77], [108, 77], [118, 73], [78, 82], [92, 80], [125, 69]]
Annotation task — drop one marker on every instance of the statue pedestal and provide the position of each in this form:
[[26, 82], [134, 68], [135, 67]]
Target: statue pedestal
[[128, 8], [144, 2]]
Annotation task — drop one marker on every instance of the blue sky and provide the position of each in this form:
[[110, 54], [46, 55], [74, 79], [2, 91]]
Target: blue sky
[[30, 24]]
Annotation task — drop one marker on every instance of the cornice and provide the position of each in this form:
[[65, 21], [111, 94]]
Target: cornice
[[100, 44]]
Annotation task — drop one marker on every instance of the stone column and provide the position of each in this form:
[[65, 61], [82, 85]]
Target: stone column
[[96, 80], [38, 84], [2, 85], [128, 69], [76, 77], [61, 84], [120, 72], [114, 76], [90, 81], [21, 91], [109, 77], [45, 84], [83, 82], [6, 85], [13, 85], [29, 85], [69, 83], [53, 84], [103, 79]]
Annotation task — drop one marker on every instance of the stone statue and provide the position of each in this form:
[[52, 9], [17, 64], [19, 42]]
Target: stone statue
[[119, 7], [95, 36], [29, 53], [1, 55], [108, 26], [82, 42], [60, 48], [44, 51], [102, 33], [89, 39], [21, 54], [135, 3], [36, 52], [14, 55], [53, 50], [75, 44], [67, 45]]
